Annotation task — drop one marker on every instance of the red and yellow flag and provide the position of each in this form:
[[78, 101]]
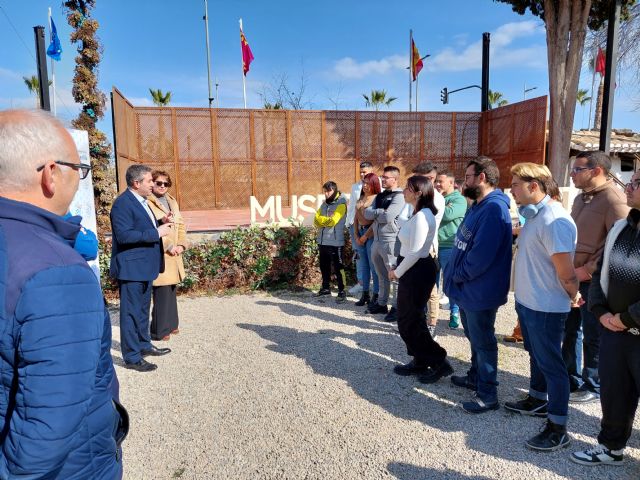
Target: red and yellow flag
[[600, 62], [247, 56], [416, 61]]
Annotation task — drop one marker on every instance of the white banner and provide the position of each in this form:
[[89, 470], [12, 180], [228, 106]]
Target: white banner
[[83, 203]]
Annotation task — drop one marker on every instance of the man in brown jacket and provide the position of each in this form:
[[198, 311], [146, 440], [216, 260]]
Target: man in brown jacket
[[594, 211]]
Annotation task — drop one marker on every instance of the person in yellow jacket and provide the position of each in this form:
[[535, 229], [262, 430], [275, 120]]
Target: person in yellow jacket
[[164, 316], [330, 220]]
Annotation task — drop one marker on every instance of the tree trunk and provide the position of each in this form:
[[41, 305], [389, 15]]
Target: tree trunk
[[598, 116], [566, 24]]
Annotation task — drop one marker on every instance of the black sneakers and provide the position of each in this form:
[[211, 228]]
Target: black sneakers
[[598, 455], [464, 381], [528, 406], [364, 300], [411, 368], [552, 437], [434, 374], [392, 316], [377, 308], [323, 292], [342, 296]]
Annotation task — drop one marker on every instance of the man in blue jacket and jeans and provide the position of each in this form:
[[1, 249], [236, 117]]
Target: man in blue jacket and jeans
[[477, 278], [58, 418]]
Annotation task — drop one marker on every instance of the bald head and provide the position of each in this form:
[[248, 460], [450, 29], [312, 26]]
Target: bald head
[[29, 140]]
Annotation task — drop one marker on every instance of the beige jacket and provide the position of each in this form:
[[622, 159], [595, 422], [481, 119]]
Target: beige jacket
[[595, 212], [173, 266]]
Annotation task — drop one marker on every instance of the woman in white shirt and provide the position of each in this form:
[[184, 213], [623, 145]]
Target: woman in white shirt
[[416, 275]]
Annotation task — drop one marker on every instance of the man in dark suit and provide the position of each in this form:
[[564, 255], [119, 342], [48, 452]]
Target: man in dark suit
[[136, 261]]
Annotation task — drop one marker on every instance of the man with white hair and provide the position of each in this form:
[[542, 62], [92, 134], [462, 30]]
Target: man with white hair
[[56, 366]]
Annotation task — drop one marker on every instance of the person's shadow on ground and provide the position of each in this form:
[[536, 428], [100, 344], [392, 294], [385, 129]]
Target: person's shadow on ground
[[364, 360], [405, 471]]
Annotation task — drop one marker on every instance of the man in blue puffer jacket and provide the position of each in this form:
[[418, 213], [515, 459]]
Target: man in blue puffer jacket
[[477, 278], [58, 417]]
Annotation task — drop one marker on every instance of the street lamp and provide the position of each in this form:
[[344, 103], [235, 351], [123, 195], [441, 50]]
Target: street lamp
[[525, 90]]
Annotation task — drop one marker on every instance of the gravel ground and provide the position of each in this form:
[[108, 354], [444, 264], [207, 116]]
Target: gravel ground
[[292, 387]]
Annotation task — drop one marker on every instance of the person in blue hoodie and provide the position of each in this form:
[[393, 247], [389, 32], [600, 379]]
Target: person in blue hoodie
[[477, 278], [56, 372]]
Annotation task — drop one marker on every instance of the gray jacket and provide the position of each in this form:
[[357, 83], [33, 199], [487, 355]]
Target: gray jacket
[[330, 220], [384, 212]]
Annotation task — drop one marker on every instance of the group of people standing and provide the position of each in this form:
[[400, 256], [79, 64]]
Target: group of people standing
[[576, 276], [148, 241]]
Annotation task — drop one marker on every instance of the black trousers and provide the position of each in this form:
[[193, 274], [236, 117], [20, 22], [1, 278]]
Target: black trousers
[[619, 371], [164, 316], [414, 289], [330, 255]]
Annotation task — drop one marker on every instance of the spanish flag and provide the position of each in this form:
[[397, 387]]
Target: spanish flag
[[247, 56], [416, 61]]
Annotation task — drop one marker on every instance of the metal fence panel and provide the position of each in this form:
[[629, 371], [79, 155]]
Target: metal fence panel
[[217, 158]]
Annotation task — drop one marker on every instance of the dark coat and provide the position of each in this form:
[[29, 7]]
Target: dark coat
[[136, 252]]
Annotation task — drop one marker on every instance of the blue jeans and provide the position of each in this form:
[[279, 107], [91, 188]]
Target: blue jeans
[[479, 328], [444, 254], [589, 378], [543, 332], [354, 247], [366, 272]]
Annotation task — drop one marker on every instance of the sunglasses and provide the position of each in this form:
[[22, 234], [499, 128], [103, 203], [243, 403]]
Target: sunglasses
[[163, 184], [82, 168], [576, 170], [633, 186]]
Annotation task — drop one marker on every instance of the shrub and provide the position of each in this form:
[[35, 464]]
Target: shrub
[[246, 259]]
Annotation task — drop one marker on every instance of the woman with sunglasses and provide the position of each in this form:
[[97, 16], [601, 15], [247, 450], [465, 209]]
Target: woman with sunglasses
[[164, 316], [416, 275], [614, 298]]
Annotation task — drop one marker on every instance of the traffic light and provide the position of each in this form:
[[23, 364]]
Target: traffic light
[[444, 95]]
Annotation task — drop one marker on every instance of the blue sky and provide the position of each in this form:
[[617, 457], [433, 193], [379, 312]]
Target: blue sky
[[346, 48]]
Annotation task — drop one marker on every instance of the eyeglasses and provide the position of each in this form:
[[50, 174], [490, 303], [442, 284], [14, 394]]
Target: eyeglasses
[[633, 186], [163, 184], [82, 168], [576, 170]]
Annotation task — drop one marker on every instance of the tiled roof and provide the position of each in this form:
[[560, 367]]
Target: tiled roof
[[622, 141]]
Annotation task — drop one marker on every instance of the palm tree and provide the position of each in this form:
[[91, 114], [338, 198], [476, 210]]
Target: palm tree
[[582, 99], [496, 99], [33, 85], [160, 99], [377, 98]]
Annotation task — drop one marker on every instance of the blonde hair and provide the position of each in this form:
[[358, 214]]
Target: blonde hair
[[531, 171]]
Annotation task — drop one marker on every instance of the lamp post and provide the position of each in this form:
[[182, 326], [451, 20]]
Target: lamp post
[[525, 90]]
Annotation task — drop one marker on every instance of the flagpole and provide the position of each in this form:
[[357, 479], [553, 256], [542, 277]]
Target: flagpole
[[53, 74], [206, 28], [593, 81], [417, 80], [410, 64], [244, 85]]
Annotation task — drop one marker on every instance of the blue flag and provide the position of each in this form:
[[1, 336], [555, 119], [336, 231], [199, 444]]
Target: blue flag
[[55, 49]]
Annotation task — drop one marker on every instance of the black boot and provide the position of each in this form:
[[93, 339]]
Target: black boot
[[553, 437], [364, 299], [373, 300]]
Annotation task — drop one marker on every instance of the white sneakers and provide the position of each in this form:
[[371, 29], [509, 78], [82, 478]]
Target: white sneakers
[[598, 455], [355, 290]]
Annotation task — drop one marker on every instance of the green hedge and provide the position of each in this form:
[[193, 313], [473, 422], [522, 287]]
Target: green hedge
[[247, 259]]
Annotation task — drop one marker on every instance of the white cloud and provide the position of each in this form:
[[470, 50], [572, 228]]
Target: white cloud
[[140, 101], [349, 68], [460, 58]]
